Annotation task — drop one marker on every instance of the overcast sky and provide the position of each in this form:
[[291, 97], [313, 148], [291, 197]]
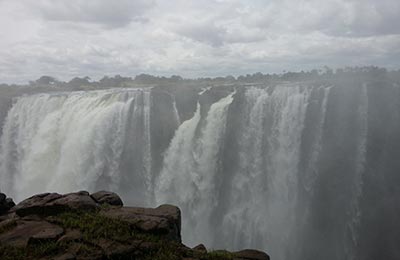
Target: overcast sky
[[193, 38]]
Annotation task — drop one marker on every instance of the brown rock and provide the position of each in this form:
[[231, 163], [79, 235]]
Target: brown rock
[[7, 224], [250, 254], [200, 248], [70, 235], [46, 234], [47, 204], [164, 220], [116, 250], [148, 246], [2, 197], [66, 256], [107, 197], [30, 232], [5, 204]]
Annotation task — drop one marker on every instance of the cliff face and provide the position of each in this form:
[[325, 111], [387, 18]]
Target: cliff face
[[96, 226]]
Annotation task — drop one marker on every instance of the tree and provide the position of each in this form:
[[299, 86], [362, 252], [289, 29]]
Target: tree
[[44, 80]]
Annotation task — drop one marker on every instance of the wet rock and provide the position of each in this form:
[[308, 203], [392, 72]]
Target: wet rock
[[5, 204], [27, 232], [66, 256], [2, 197], [48, 233], [151, 233], [47, 204], [200, 248], [70, 235], [116, 250], [164, 220], [106, 197], [249, 254]]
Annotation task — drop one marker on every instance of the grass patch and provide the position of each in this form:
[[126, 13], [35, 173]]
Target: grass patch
[[165, 251], [218, 255], [7, 226], [94, 226], [37, 251]]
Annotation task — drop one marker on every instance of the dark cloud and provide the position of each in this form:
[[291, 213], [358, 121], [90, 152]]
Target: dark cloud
[[108, 13]]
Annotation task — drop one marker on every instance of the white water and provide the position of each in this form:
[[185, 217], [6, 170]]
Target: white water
[[190, 165], [71, 141], [103, 140], [265, 186], [360, 159]]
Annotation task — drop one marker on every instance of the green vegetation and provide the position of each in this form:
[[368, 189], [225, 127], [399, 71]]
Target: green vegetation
[[7, 226], [94, 227], [218, 255], [32, 252]]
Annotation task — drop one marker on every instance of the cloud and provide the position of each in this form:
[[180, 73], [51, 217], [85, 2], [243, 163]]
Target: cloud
[[110, 14], [192, 38]]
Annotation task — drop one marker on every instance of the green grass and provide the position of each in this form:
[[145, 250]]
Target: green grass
[[8, 226], [218, 255], [31, 252], [94, 226]]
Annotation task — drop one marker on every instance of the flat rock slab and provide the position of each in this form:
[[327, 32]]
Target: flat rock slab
[[165, 219], [249, 254], [27, 232], [47, 204]]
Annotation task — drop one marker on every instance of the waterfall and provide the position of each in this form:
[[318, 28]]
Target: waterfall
[[189, 169], [264, 190], [71, 141], [297, 169], [360, 157]]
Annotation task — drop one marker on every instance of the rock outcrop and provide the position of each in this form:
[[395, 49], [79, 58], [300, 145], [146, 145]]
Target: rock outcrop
[[5, 203], [97, 226]]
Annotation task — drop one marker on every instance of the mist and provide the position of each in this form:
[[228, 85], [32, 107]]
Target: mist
[[301, 165], [272, 125]]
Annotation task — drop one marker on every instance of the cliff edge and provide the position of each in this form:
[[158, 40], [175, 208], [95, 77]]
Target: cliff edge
[[97, 226]]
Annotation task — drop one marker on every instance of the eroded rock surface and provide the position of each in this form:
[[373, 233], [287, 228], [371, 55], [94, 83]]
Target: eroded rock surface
[[5, 203], [165, 219], [107, 197], [47, 204], [78, 226]]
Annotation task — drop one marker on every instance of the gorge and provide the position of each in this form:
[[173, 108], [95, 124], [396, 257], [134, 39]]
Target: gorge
[[302, 170]]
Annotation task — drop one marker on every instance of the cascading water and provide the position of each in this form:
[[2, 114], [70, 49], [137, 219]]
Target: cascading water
[[264, 190], [292, 169], [72, 141], [190, 166]]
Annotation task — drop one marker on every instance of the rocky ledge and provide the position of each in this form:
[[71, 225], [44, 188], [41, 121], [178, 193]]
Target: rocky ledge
[[97, 226]]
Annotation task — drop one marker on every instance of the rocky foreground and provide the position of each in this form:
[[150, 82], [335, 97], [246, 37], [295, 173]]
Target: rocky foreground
[[97, 226]]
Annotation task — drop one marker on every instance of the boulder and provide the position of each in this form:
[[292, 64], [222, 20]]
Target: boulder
[[5, 204], [116, 250], [164, 220], [106, 197], [30, 232], [93, 232], [73, 235], [249, 254], [200, 248], [48, 204], [2, 197]]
